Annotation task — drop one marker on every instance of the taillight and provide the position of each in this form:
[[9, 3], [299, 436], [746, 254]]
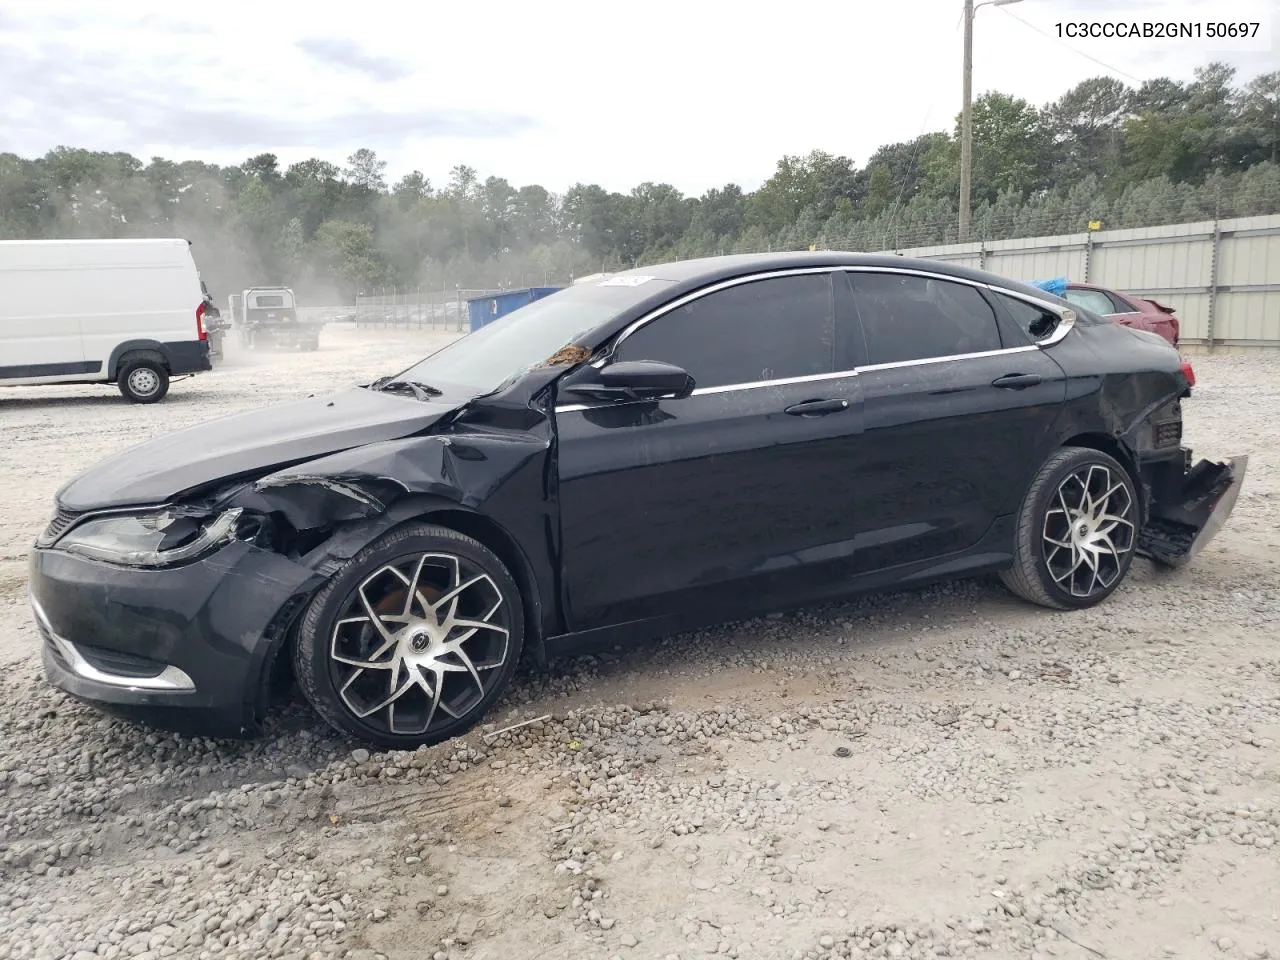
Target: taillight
[[1188, 373], [201, 332]]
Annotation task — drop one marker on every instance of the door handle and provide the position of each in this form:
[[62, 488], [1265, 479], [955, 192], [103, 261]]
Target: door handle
[[817, 408], [1017, 381]]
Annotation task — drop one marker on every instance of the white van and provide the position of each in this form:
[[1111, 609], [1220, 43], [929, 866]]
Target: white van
[[128, 312]]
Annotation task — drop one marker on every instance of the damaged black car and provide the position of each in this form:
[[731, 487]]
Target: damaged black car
[[637, 454]]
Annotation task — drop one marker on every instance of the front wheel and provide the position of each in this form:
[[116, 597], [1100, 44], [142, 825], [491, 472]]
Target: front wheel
[[1077, 530], [412, 640]]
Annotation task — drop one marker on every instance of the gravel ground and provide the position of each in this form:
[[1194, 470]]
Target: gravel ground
[[941, 772]]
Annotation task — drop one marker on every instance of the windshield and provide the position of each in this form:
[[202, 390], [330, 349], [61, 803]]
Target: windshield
[[487, 358]]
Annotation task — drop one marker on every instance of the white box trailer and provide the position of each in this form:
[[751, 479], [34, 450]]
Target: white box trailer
[[128, 312]]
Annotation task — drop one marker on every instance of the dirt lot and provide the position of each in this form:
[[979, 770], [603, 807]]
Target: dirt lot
[[945, 772]]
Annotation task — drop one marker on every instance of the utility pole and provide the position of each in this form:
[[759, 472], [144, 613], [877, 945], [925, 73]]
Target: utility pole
[[966, 115], [966, 125]]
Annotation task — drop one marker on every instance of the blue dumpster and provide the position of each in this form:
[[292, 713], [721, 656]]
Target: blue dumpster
[[484, 310]]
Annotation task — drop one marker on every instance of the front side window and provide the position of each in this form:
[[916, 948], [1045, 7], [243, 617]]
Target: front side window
[[906, 317], [770, 329]]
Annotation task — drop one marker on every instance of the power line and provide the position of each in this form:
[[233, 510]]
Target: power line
[[1044, 33], [911, 163]]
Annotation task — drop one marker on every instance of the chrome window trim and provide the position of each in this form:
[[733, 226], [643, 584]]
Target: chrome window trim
[[1067, 316], [812, 378], [948, 359]]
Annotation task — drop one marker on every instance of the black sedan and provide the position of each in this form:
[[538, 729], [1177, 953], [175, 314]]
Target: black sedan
[[638, 454]]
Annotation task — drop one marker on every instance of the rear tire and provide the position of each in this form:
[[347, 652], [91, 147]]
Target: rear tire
[[1077, 531], [143, 378], [380, 665]]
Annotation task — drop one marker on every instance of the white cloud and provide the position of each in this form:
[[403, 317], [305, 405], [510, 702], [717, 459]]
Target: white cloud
[[692, 93]]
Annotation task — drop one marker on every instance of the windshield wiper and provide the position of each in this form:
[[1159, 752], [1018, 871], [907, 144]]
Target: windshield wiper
[[420, 391]]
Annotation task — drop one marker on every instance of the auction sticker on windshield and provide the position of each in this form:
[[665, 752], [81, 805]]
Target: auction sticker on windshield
[[625, 281]]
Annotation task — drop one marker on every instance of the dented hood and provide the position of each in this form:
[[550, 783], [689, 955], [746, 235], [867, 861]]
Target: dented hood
[[248, 443]]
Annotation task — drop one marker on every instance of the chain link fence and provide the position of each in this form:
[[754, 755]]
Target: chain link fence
[[1167, 205]]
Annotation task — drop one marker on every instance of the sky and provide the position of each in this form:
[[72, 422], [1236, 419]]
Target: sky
[[696, 93]]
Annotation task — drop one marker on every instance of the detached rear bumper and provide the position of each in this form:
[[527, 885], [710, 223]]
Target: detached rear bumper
[[1185, 517]]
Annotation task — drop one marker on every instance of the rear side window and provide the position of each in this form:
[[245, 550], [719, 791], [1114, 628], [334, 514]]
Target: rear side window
[[907, 317], [1093, 300], [763, 330], [1122, 305], [1036, 322]]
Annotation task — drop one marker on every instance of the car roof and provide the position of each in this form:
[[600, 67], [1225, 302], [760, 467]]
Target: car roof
[[702, 271]]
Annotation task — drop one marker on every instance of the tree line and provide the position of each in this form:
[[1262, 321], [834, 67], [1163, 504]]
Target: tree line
[[1160, 152]]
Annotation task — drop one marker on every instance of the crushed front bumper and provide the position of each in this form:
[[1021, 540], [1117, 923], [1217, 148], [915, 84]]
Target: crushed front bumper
[[1185, 517], [185, 648]]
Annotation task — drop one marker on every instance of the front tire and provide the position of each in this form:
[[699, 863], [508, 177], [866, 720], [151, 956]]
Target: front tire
[[142, 378], [412, 640], [1077, 531]]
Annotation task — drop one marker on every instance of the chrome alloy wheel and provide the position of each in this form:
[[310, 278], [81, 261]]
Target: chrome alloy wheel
[[419, 643], [1088, 529]]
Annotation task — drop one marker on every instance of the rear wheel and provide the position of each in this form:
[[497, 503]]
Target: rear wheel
[[413, 640], [1076, 533], [142, 378]]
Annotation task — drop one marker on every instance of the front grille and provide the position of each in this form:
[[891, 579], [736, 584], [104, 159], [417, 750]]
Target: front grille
[[61, 521], [1169, 434]]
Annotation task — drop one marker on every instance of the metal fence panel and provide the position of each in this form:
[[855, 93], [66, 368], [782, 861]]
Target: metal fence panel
[[1221, 277]]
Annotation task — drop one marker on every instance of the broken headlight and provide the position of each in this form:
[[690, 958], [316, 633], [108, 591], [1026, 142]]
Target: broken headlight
[[151, 540]]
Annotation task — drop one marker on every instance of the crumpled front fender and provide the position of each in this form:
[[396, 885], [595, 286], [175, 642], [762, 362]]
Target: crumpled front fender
[[364, 482], [338, 504]]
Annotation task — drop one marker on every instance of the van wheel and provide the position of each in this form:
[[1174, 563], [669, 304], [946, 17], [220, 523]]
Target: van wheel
[[142, 378]]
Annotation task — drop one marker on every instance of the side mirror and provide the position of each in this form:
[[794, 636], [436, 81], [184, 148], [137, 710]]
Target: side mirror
[[637, 380]]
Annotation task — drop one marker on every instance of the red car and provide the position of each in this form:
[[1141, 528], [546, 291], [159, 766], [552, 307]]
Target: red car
[[1125, 309]]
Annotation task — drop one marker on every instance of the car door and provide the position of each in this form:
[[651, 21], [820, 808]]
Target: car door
[[733, 494], [957, 409]]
